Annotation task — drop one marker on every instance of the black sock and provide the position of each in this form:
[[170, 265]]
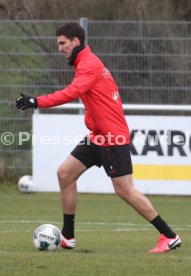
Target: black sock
[[162, 227], [68, 226]]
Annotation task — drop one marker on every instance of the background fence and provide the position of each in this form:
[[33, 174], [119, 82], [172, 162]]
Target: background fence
[[150, 61]]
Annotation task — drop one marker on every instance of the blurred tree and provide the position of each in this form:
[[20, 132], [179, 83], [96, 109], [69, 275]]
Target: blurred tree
[[96, 9]]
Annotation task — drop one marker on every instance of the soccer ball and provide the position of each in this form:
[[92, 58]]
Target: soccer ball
[[47, 237], [26, 185]]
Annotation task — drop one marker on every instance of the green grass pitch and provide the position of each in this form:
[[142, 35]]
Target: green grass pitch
[[112, 239]]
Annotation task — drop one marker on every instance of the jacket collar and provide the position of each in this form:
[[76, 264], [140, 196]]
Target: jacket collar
[[75, 52], [86, 50]]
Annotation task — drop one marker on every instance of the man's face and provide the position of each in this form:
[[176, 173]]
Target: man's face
[[66, 45]]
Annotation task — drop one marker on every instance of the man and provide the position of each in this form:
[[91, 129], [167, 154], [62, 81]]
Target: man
[[108, 141]]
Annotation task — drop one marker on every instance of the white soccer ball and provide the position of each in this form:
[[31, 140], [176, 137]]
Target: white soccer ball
[[47, 237], [26, 184]]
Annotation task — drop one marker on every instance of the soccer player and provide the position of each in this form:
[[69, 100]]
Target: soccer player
[[108, 142]]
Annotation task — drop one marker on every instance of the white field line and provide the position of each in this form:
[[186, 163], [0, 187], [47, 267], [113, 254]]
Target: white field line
[[88, 223], [119, 226], [84, 230], [98, 230]]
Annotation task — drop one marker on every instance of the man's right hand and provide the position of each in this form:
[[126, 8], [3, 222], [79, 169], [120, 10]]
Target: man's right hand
[[25, 102]]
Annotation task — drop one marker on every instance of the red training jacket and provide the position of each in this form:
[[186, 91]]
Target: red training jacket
[[94, 85]]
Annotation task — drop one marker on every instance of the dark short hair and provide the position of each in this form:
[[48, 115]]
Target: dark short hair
[[71, 30]]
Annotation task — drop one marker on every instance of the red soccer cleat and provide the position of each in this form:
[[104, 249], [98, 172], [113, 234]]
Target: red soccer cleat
[[165, 244], [67, 243]]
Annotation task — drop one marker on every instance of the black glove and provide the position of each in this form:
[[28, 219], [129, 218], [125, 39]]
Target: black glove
[[25, 102]]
